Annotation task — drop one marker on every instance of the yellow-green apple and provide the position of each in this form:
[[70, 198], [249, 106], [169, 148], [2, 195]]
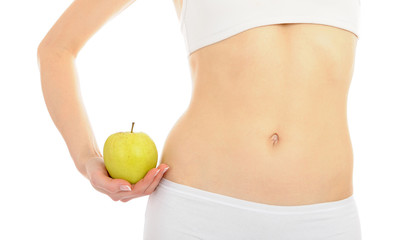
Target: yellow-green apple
[[129, 155]]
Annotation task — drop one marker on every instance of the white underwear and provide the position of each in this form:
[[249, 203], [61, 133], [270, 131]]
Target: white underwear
[[179, 212]]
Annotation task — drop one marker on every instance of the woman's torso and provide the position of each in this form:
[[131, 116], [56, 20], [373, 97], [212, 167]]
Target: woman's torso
[[288, 79]]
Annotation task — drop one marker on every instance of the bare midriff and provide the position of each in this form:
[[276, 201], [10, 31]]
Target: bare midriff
[[267, 119]]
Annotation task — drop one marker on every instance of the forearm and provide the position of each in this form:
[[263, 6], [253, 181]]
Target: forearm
[[60, 86]]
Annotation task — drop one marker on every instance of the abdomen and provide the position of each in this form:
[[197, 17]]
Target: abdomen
[[265, 81]]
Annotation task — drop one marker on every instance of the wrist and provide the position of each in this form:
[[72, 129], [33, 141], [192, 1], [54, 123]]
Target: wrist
[[82, 164]]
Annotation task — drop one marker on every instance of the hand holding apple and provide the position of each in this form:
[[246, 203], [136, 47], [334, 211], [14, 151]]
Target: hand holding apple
[[119, 189]]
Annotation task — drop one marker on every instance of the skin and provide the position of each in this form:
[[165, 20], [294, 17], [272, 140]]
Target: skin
[[267, 118], [56, 56], [266, 124]]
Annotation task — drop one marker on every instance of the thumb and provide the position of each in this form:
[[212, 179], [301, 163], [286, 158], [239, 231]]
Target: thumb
[[112, 185], [122, 185]]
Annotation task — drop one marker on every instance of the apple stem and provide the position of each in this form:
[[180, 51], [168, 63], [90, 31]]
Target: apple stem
[[132, 126]]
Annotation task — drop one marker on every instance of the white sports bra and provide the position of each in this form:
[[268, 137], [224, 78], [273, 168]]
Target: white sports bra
[[204, 22]]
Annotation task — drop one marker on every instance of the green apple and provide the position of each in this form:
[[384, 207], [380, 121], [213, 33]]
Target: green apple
[[129, 155]]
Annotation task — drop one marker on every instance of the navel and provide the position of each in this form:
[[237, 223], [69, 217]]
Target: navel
[[274, 138]]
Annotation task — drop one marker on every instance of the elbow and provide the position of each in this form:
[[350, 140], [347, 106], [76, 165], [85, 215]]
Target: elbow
[[51, 53], [45, 49], [39, 50], [41, 47]]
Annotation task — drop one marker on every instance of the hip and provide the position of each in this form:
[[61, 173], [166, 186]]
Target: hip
[[176, 211]]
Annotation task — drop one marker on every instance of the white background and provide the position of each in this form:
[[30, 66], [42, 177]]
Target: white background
[[145, 78]]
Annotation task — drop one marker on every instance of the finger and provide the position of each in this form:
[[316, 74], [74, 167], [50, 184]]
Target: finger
[[102, 190], [124, 189], [152, 187], [126, 199], [144, 183], [114, 198], [108, 184]]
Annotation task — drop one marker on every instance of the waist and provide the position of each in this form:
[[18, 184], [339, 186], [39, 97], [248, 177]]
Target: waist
[[236, 155], [301, 137]]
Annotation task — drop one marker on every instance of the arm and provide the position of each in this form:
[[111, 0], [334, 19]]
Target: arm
[[56, 56]]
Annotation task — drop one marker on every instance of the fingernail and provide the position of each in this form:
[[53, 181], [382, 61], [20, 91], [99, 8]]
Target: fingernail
[[157, 172], [165, 169], [125, 188]]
